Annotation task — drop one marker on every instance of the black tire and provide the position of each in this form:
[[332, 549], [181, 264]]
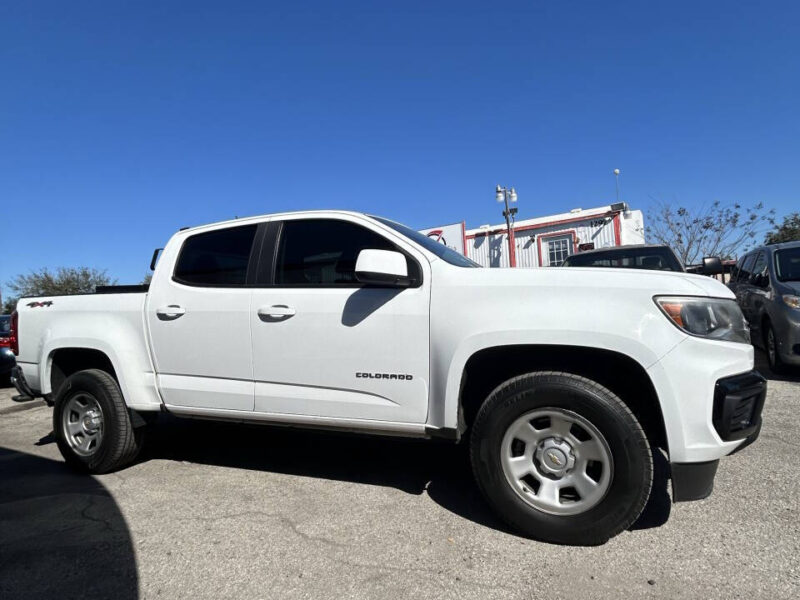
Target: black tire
[[776, 365], [632, 473], [120, 443]]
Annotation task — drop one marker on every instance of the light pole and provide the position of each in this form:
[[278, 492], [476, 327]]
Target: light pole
[[616, 178], [507, 195]]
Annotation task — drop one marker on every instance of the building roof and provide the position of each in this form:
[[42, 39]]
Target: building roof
[[583, 213]]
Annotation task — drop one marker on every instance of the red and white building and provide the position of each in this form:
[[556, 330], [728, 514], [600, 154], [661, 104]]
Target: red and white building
[[547, 241]]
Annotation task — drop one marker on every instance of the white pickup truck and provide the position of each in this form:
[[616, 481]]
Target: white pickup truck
[[563, 381]]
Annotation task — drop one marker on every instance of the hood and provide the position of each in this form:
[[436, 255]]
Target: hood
[[653, 282], [792, 287]]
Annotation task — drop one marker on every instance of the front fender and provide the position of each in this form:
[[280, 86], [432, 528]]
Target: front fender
[[447, 397]]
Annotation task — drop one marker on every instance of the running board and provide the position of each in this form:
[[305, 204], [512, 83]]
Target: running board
[[417, 430]]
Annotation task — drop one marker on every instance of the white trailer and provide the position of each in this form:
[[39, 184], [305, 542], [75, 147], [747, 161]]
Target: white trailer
[[547, 241]]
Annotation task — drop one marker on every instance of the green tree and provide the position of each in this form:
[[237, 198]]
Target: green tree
[[65, 280], [710, 230], [788, 231]]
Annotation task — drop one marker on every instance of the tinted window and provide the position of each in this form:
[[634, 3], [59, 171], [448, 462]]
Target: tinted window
[[446, 254], [736, 268], [760, 266], [747, 267], [216, 258], [5, 325], [658, 259], [324, 251], [787, 264]]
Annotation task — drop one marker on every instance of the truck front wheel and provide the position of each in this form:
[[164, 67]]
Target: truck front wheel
[[91, 423], [561, 458]]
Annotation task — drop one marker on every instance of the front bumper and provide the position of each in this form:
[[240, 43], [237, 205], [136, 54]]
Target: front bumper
[[693, 481], [738, 402]]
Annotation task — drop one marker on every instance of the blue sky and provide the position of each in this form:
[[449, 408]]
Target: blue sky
[[122, 121]]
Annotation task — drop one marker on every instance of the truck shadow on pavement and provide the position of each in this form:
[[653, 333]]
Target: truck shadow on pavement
[[440, 469], [62, 535]]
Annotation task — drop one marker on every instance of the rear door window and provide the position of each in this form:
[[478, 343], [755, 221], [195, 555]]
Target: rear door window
[[217, 258]]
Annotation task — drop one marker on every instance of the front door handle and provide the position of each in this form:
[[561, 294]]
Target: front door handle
[[173, 311], [276, 311]]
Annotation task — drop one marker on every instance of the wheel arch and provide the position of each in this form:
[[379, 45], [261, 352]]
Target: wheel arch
[[62, 358], [488, 367], [65, 361]]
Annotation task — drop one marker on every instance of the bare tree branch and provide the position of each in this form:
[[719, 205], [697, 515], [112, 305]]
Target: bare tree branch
[[710, 230]]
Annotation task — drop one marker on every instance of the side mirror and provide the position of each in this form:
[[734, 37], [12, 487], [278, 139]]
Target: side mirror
[[712, 265], [382, 267]]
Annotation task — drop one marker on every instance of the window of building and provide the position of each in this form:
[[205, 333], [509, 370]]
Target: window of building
[[558, 249]]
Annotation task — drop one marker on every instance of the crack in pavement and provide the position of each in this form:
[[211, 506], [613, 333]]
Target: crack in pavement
[[295, 527], [388, 570], [85, 515]]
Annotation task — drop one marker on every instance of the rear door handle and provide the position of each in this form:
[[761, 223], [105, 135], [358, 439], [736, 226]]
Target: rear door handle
[[276, 311], [173, 311]]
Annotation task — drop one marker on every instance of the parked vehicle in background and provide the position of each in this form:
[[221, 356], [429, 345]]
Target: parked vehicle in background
[[564, 381], [651, 257], [766, 282], [7, 359]]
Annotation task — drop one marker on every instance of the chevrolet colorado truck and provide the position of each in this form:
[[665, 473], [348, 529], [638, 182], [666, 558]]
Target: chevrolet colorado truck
[[564, 382]]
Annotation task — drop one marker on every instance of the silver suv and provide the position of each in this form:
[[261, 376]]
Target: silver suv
[[766, 282]]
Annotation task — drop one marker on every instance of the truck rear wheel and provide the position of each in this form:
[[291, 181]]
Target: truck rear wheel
[[561, 458], [91, 423]]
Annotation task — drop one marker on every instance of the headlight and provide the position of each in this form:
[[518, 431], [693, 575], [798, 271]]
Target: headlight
[[713, 318], [792, 301]]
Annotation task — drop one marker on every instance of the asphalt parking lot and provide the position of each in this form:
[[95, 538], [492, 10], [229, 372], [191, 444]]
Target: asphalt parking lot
[[217, 510]]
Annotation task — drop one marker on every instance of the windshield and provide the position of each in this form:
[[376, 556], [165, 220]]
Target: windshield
[[5, 325], [656, 259], [787, 264], [446, 254]]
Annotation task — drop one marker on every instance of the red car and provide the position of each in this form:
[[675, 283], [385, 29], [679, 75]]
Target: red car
[[7, 360]]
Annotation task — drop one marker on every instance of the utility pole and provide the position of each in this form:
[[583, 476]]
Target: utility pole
[[507, 195]]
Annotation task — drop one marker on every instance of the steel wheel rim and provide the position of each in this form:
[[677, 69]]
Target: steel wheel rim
[[82, 424], [556, 461]]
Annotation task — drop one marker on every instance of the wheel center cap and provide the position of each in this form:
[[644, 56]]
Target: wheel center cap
[[555, 456], [555, 459], [91, 421]]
